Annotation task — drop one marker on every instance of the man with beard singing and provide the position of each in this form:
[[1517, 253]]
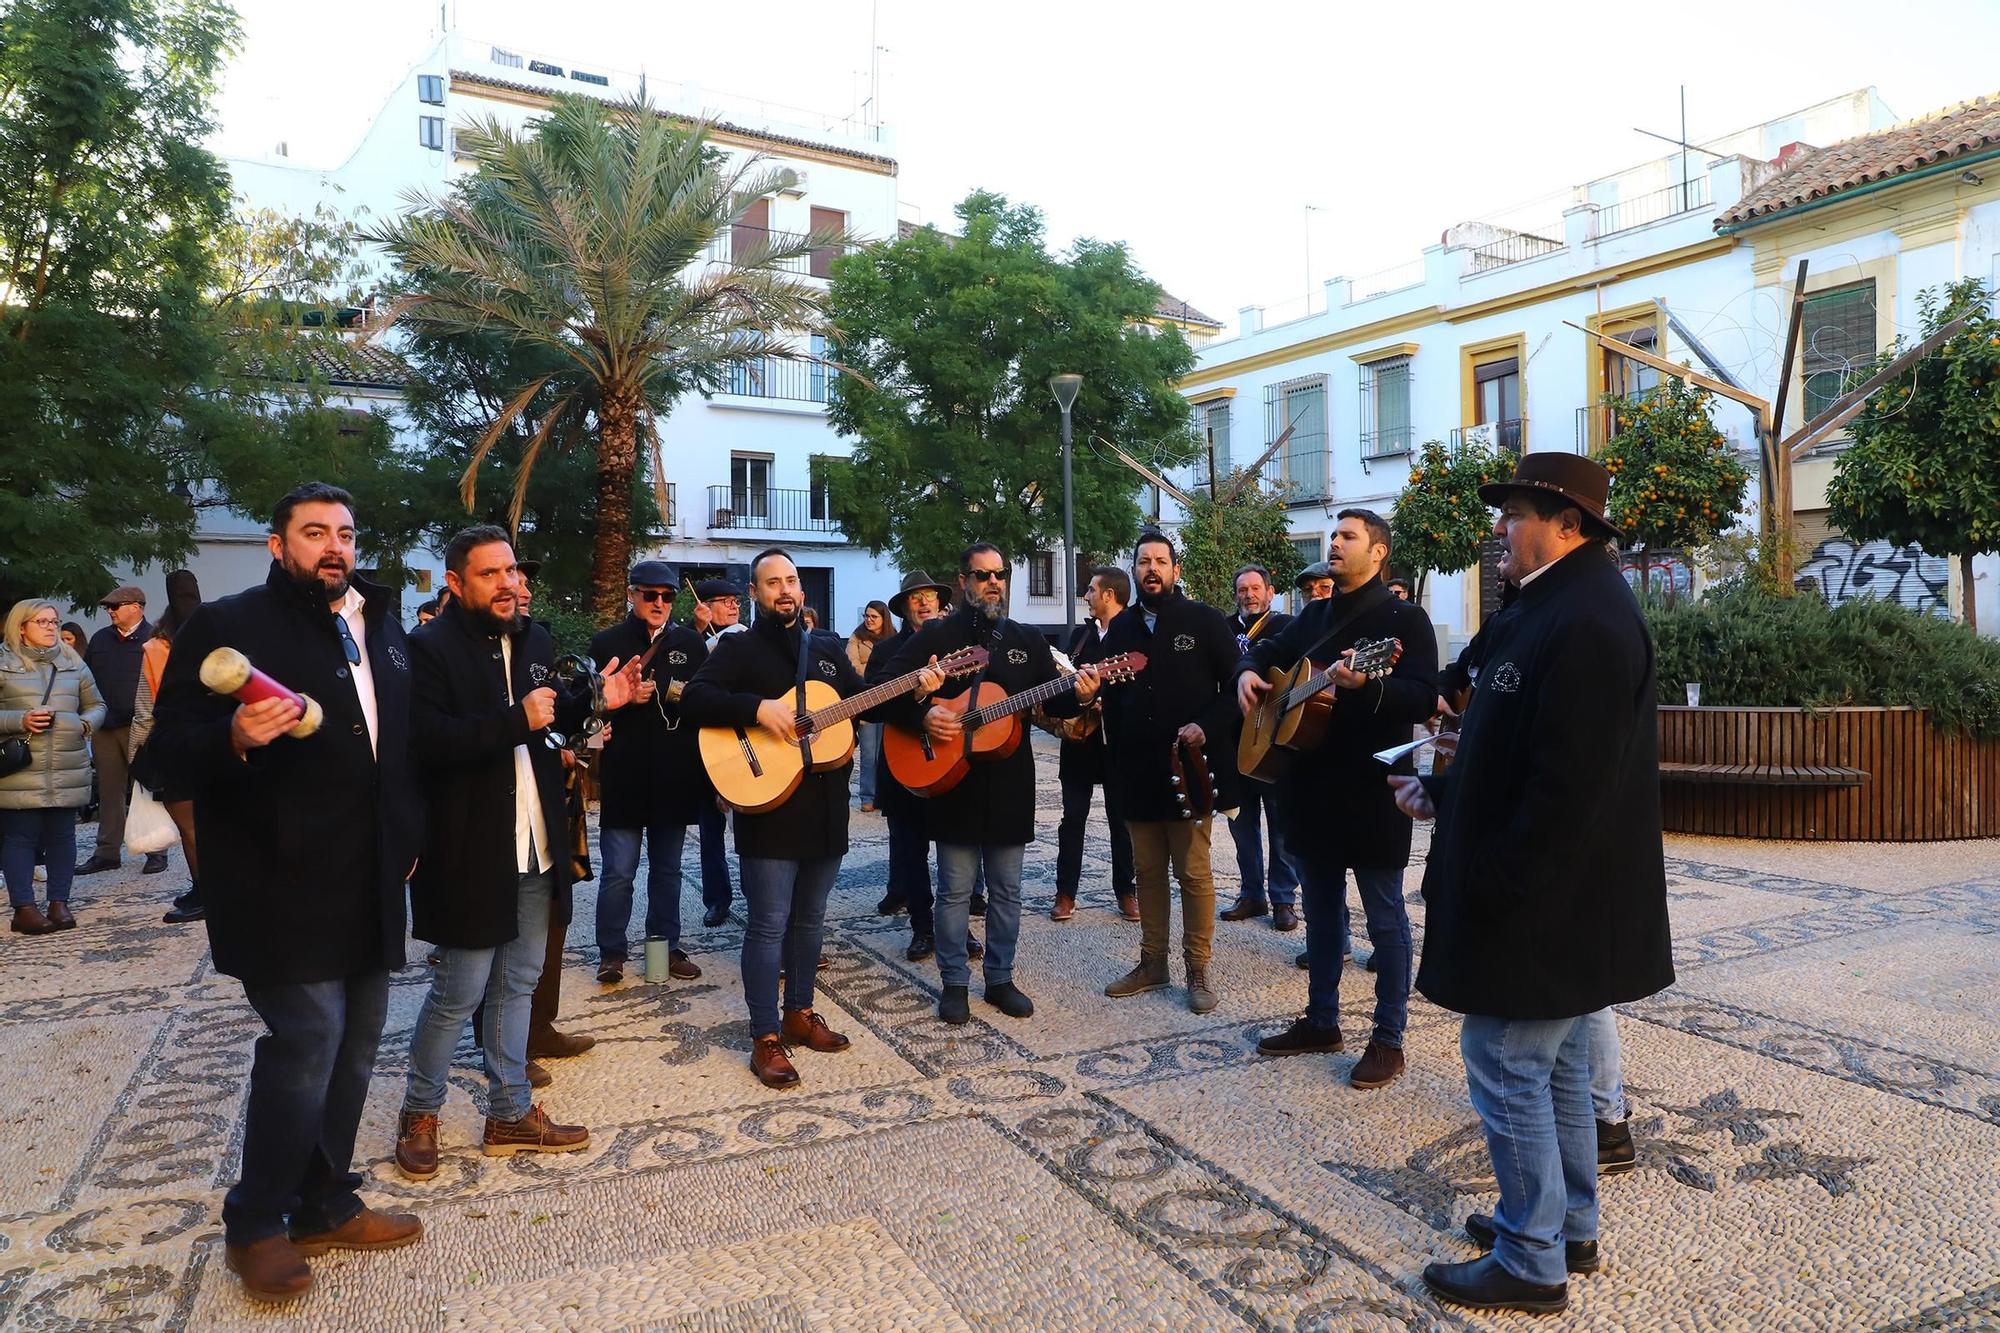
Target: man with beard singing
[[990, 814]]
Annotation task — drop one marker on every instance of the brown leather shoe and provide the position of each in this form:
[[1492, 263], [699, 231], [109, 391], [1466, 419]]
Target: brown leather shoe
[[533, 1132], [272, 1269], [60, 917], [1378, 1066], [1065, 907], [1128, 906], [803, 1027], [366, 1230], [549, 1044], [771, 1065], [1244, 910], [681, 967], [1284, 916], [1150, 974], [417, 1144], [538, 1077], [28, 920]]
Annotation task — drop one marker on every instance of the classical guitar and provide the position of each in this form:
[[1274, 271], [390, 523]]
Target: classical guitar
[[756, 772], [1293, 715], [992, 725]]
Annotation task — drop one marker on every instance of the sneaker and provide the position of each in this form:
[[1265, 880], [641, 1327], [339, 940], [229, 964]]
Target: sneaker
[[1009, 1000], [1150, 974], [1378, 1066], [1615, 1153], [921, 947], [1579, 1256], [955, 1005], [1301, 1038], [417, 1144], [533, 1132], [610, 970], [1201, 998]]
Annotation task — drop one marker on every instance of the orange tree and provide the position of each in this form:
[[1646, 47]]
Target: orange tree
[[1439, 522], [1675, 482]]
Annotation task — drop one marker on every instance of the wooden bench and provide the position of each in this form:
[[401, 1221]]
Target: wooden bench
[[1764, 775]]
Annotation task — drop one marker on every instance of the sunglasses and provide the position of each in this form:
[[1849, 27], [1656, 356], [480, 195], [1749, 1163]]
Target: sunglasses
[[654, 594], [987, 575]]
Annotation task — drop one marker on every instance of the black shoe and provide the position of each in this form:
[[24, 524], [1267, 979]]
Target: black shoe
[[954, 1006], [1301, 1038], [1305, 961], [1579, 1256], [714, 917], [97, 863], [1369, 966], [610, 970], [974, 950], [179, 915], [922, 946], [1484, 1285], [978, 907], [1284, 916], [1615, 1153], [891, 906], [156, 864], [1009, 1000]]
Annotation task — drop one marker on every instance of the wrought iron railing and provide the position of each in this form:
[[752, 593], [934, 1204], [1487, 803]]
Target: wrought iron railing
[[1505, 436], [1513, 248], [1642, 209], [767, 508], [1387, 443], [778, 377], [740, 239], [1304, 477]]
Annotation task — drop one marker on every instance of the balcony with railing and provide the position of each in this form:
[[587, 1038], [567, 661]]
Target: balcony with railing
[[743, 240], [1654, 207], [1513, 248], [1505, 437], [778, 378], [1391, 442], [769, 509]]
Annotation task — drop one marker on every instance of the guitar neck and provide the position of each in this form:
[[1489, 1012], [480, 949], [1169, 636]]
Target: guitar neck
[[1308, 687], [867, 699], [1015, 703]]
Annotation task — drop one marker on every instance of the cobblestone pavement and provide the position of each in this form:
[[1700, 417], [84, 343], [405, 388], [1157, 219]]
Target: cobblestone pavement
[[1817, 1104]]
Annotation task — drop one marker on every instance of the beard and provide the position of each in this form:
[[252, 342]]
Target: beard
[[1152, 597], [989, 611], [313, 581], [499, 624]]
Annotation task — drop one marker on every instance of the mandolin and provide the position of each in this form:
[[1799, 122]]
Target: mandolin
[[756, 772], [1293, 716], [992, 728]]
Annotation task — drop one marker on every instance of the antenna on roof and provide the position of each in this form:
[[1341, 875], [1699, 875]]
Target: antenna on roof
[[1687, 184]]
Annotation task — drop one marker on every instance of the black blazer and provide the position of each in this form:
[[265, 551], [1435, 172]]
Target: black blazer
[[1189, 677], [650, 770], [1546, 889], [742, 671], [465, 892], [1083, 761], [304, 843], [891, 797], [1335, 802]]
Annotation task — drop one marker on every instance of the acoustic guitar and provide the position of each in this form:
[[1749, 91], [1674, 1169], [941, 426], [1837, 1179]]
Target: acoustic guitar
[[755, 772], [992, 725], [1293, 716]]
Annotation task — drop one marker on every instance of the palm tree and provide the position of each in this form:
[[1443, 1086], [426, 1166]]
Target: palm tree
[[586, 235]]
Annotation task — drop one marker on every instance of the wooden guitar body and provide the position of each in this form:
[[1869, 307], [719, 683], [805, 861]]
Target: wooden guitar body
[[1306, 726], [756, 772], [929, 769], [1262, 751]]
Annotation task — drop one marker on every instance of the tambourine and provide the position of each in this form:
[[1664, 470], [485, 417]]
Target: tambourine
[[228, 672], [1194, 786], [581, 672]]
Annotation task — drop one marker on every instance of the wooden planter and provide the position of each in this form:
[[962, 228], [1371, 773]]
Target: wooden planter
[[1799, 775]]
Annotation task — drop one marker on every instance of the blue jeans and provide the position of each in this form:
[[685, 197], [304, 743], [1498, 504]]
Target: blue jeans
[[714, 826], [503, 979], [1530, 1083], [1326, 940], [958, 866], [787, 905], [1248, 836], [30, 835], [308, 1084], [620, 846], [1607, 1067], [910, 869], [868, 748]]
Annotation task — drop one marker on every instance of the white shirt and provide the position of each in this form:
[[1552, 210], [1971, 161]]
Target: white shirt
[[531, 831], [1526, 579], [349, 610]]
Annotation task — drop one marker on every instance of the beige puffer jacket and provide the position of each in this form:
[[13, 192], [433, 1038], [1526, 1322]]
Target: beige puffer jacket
[[58, 777]]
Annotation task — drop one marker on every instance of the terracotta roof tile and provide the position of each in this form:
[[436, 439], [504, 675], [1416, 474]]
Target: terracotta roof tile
[[1817, 173], [1172, 307]]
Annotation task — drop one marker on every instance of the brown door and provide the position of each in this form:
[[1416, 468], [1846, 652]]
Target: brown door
[[826, 219], [753, 228]]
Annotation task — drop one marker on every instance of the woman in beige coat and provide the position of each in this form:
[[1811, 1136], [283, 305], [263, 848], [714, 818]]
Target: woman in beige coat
[[49, 701]]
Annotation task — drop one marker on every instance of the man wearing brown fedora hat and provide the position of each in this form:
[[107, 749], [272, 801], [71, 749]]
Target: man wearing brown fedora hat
[[920, 600], [1545, 890]]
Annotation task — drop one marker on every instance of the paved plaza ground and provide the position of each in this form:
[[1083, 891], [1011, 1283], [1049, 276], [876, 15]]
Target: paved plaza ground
[[1817, 1104]]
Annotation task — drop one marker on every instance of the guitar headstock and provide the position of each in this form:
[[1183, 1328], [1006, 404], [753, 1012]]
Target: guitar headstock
[[963, 662], [1122, 666], [1375, 657]]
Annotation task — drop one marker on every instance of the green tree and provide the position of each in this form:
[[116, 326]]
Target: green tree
[[1924, 466], [1236, 524], [951, 342], [1675, 482], [1440, 523], [584, 236]]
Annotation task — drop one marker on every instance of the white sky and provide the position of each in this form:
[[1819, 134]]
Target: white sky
[[1198, 134]]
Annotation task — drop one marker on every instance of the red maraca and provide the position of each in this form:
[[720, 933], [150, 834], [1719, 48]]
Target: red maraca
[[229, 672]]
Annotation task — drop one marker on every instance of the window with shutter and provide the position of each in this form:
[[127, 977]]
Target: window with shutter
[[1837, 344]]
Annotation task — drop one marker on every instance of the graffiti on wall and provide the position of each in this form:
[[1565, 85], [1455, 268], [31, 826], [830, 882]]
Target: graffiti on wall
[[1908, 575], [1664, 574]]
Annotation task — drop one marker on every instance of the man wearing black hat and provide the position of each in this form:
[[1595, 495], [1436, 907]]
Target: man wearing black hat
[[919, 601], [718, 610], [651, 779], [113, 657], [1545, 890]]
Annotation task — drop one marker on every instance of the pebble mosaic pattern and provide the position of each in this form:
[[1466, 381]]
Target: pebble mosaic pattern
[[1816, 1104]]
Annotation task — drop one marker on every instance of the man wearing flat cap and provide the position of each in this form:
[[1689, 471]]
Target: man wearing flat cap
[[114, 658], [653, 784], [1545, 891], [718, 610]]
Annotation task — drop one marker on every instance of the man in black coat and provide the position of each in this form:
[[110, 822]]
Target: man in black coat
[[1545, 891], [1080, 761], [918, 602], [989, 817], [1256, 618], [1337, 812], [1182, 698], [496, 869], [650, 782], [717, 611], [305, 844], [113, 657]]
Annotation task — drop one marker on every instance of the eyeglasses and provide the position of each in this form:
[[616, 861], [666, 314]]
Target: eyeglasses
[[987, 575], [347, 643], [654, 594], [45, 621]]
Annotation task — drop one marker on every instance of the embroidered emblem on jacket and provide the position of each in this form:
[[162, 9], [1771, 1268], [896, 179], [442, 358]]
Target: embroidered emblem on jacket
[[537, 672], [1018, 656], [826, 668], [1183, 643], [676, 657], [1506, 679], [397, 660]]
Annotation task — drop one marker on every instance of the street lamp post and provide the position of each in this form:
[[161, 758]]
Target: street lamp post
[[1064, 387]]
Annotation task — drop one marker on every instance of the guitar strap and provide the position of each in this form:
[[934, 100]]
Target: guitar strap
[[979, 676], [799, 692], [1373, 596]]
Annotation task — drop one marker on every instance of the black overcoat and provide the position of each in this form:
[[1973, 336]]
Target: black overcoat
[[465, 893], [892, 798], [304, 843], [650, 771], [1334, 804], [1189, 677], [742, 671], [1083, 761], [1546, 891], [994, 806]]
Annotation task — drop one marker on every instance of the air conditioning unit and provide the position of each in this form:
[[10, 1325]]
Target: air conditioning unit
[[797, 189]]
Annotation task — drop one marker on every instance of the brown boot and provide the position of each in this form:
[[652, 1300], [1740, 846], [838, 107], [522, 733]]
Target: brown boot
[[770, 1064], [366, 1230], [28, 920], [272, 1269], [1378, 1066], [1151, 974], [1201, 996], [803, 1027], [533, 1132], [538, 1077], [549, 1044], [60, 917], [417, 1144]]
